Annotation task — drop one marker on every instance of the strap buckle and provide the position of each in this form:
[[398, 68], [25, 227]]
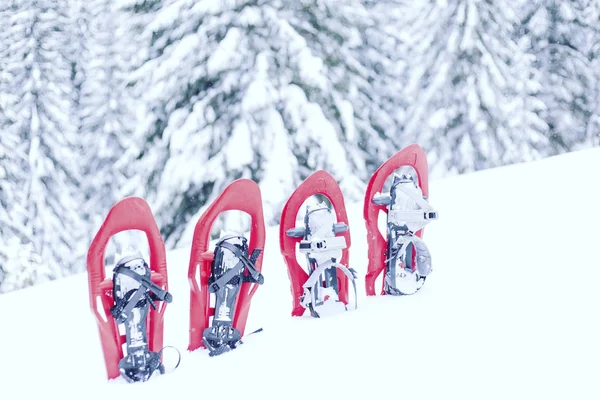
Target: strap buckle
[[325, 244], [213, 287]]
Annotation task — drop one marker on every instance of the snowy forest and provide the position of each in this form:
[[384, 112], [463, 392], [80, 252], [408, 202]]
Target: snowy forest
[[171, 100]]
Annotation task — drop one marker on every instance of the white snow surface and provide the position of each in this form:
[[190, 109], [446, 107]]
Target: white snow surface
[[510, 311]]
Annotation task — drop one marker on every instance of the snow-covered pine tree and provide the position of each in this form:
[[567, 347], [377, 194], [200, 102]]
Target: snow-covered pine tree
[[16, 255], [384, 53], [44, 200], [105, 114], [270, 90], [361, 49], [18, 266], [471, 87], [559, 35], [592, 16], [80, 21]]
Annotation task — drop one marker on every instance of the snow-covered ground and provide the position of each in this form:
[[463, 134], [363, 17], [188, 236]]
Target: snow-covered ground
[[510, 312]]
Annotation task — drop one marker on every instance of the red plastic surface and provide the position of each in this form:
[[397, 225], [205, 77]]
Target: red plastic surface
[[414, 156], [323, 183], [243, 195], [129, 213]]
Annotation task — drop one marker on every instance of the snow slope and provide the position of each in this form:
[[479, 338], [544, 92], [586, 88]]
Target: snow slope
[[510, 312]]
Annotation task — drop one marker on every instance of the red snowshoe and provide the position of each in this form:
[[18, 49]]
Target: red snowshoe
[[113, 304], [402, 254], [229, 272], [327, 254]]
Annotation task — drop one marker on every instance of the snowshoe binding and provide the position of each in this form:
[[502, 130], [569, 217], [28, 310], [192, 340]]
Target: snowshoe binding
[[408, 261], [323, 251], [134, 292], [229, 267]]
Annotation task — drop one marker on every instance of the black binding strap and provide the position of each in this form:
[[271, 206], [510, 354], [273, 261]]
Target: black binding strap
[[159, 292], [254, 275], [121, 308]]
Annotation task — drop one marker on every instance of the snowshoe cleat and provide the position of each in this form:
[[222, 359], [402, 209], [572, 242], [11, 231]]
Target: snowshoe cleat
[[323, 287], [229, 275], [134, 293], [229, 267], [402, 255]]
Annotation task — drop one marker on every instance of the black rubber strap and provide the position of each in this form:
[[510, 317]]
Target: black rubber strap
[[238, 268], [226, 277], [158, 292], [249, 263], [137, 296], [121, 309]]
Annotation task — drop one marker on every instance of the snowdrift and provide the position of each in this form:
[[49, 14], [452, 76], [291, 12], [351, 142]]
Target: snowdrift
[[509, 312]]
